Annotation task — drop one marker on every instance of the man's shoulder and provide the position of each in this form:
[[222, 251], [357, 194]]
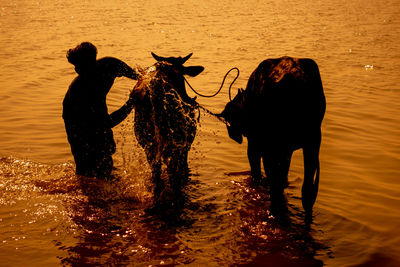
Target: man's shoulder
[[108, 61]]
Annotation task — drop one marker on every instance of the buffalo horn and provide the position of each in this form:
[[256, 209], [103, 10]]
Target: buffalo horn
[[186, 58], [158, 58]]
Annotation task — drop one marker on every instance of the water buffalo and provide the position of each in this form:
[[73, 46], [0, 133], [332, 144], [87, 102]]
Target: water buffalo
[[165, 124], [281, 111]]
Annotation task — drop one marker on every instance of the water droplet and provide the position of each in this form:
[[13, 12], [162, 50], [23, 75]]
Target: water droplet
[[369, 67]]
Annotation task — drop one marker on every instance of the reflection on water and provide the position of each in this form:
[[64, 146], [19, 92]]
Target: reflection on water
[[101, 223], [48, 216]]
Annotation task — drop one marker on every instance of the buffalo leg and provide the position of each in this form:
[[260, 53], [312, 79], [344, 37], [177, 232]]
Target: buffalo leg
[[155, 165], [309, 189], [177, 169], [286, 166], [254, 156], [184, 168], [275, 172], [156, 178]]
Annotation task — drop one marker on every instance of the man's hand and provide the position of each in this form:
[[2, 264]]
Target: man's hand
[[137, 94]]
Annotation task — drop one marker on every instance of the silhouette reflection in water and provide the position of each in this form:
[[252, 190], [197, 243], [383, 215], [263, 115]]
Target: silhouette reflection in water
[[114, 228], [274, 233]]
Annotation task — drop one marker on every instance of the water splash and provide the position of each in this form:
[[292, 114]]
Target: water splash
[[165, 125]]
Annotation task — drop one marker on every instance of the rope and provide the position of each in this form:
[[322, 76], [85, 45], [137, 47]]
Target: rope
[[222, 84], [216, 93], [211, 113]]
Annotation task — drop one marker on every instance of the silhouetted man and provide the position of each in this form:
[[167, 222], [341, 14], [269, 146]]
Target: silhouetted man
[[87, 122]]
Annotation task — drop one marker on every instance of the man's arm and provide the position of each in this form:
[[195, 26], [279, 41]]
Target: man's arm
[[122, 69], [126, 71], [113, 67], [119, 115]]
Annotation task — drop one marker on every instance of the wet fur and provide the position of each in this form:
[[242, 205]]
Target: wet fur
[[165, 126]]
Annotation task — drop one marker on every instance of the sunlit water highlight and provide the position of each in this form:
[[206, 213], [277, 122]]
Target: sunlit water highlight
[[49, 217]]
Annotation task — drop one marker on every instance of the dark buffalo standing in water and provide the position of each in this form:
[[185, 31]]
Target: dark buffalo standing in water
[[281, 111], [165, 124]]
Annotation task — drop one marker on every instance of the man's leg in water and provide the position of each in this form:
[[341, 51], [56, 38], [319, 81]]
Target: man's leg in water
[[104, 166], [85, 165]]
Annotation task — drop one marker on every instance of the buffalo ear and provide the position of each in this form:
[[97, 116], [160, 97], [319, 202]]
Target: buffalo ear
[[193, 70]]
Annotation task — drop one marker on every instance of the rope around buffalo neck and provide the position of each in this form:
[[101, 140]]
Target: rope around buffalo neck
[[222, 84]]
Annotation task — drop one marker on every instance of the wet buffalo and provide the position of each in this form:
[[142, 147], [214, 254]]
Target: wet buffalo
[[281, 111], [165, 124]]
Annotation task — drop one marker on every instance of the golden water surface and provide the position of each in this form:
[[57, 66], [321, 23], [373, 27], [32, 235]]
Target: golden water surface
[[46, 215]]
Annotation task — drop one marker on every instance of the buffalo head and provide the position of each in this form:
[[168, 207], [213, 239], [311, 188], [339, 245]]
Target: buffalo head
[[173, 70], [234, 117]]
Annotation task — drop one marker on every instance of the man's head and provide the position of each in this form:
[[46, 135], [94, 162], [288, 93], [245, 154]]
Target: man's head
[[83, 57]]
